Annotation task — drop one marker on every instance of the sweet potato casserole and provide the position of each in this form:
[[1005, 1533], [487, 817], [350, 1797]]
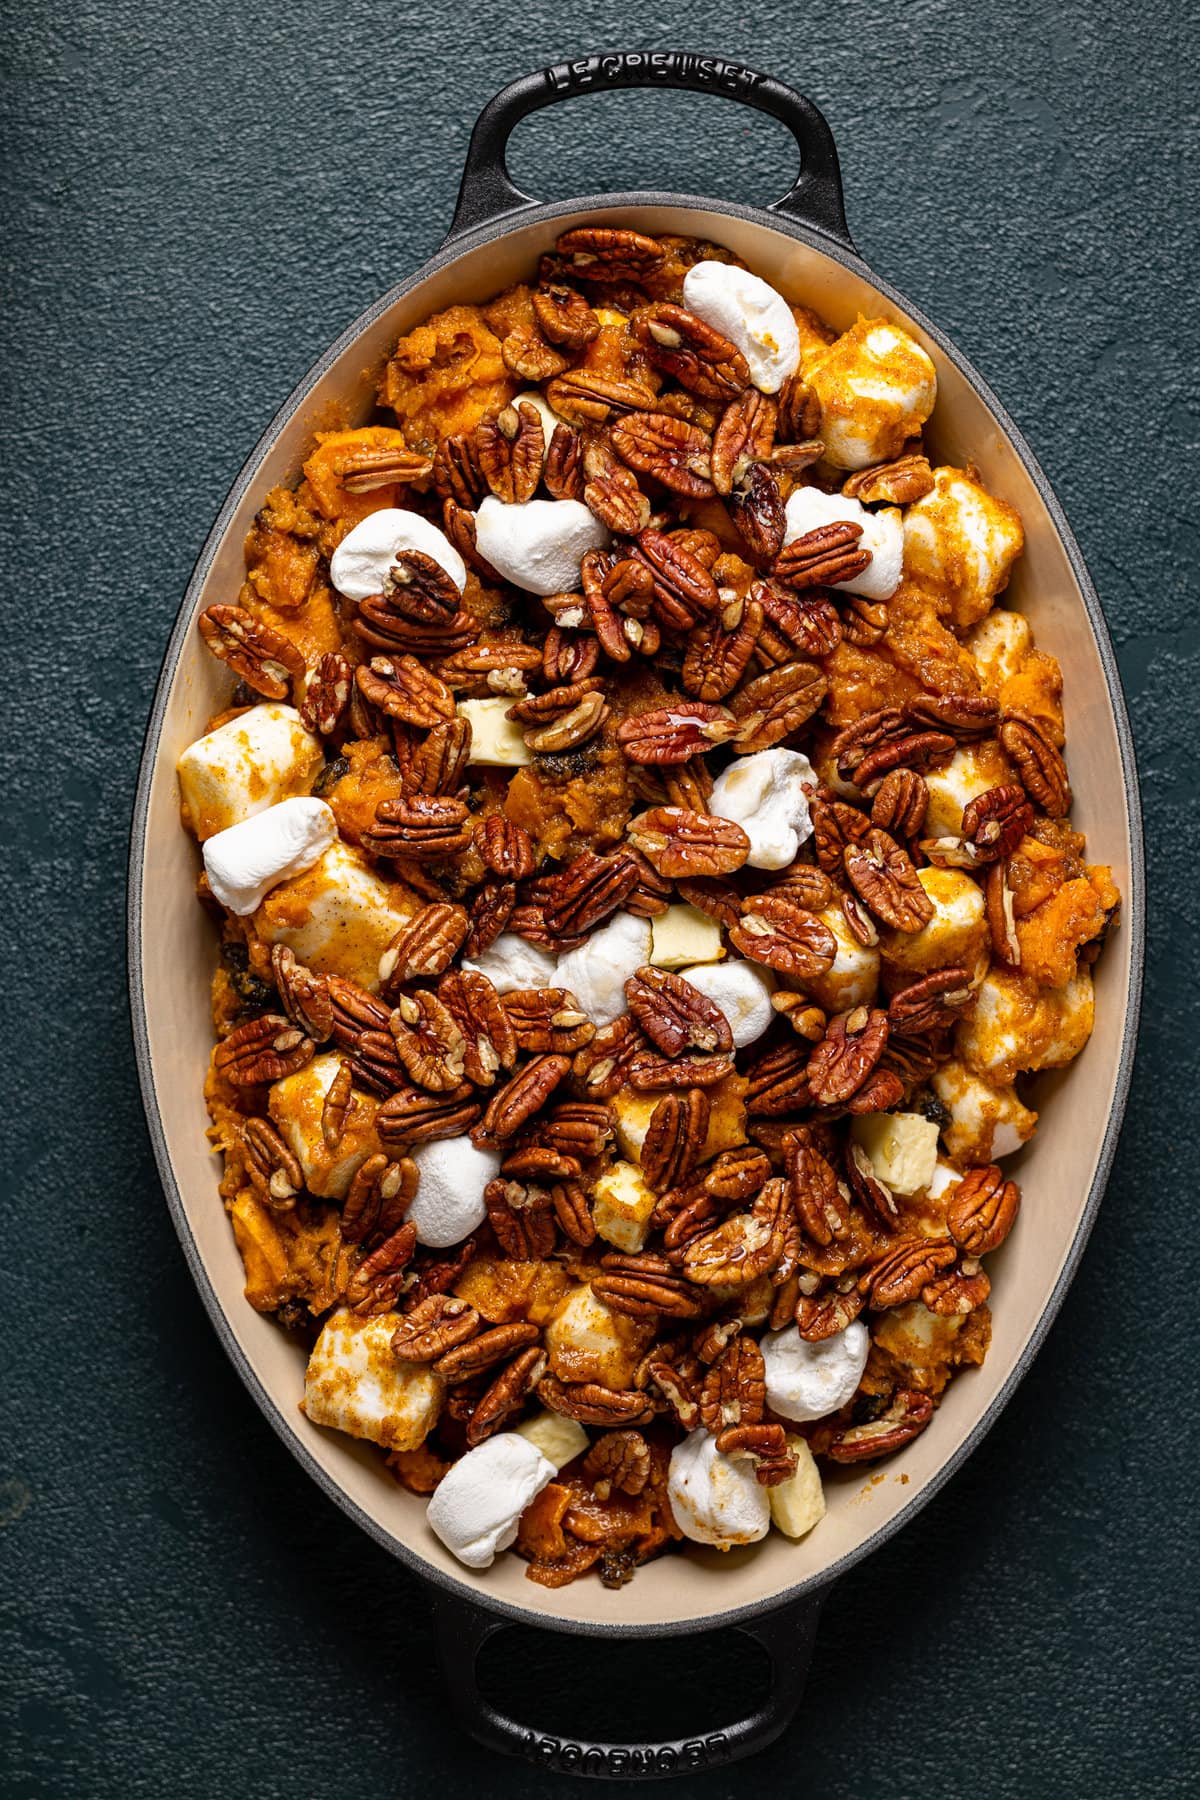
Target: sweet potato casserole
[[642, 854]]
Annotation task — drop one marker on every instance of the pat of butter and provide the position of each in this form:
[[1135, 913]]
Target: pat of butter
[[902, 1148], [495, 739], [623, 1204], [559, 1440], [798, 1503], [632, 1110], [682, 936]]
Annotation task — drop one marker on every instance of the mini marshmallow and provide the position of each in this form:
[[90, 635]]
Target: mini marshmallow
[[987, 1121], [597, 971], [751, 314], [297, 1106], [355, 1384], [338, 918], [853, 978], [452, 1175], [767, 795], [876, 387], [496, 740], [246, 765], [1000, 643], [962, 541], [587, 1341], [715, 1499], [539, 544], [743, 993], [882, 535], [360, 565], [809, 1381], [971, 771], [512, 963], [477, 1506], [957, 932], [1017, 1026], [246, 861]]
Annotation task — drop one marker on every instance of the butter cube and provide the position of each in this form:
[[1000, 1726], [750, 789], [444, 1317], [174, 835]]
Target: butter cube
[[296, 1104], [798, 1503], [355, 1384], [683, 935], [623, 1204], [957, 932], [495, 739], [246, 765], [559, 1440], [632, 1110], [902, 1148], [338, 918]]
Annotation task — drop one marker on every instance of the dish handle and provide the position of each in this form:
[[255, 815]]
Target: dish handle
[[488, 192], [461, 1629]]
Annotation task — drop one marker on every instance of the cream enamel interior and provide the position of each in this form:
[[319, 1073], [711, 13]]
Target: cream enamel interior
[[177, 952]]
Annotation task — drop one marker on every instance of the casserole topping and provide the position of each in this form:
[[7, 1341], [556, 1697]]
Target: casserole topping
[[643, 859]]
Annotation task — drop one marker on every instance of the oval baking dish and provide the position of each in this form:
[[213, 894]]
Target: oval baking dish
[[801, 245]]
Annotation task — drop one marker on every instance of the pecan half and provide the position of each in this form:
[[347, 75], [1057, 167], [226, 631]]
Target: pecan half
[[507, 1394], [568, 657], [521, 1218], [823, 557], [822, 1202], [674, 1015], [588, 891], [457, 475], [511, 449], [463, 1361], [327, 694], [744, 1247], [264, 659], [644, 1287], [897, 1276], [613, 494], [591, 1404], [434, 1326], [426, 945], [620, 1460], [585, 397], [836, 826], [777, 1082], [757, 510], [674, 1139], [958, 1290], [672, 451], [489, 1042], [683, 585], [900, 803], [524, 1094], [305, 996], [763, 1445], [799, 410], [897, 483], [883, 876], [562, 471], [263, 1050], [526, 354], [505, 846], [993, 825], [602, 1067], [378, 1280], [719, 900], [491, 910], [405, 689], [773, 706], [774, 931], [1038, 762], [905, 1419], [829, 1310], [847, 1054], [982, 1210], [719, 650], [672, 734], [419, 827], [931, 1003], [806, 622], [737, 1174], [649, 1070], [377, 1199], [428, 1041], [962, 715], [679, 842], [548, 1019], [734, 1391], [580, 1128], [371, 468], [274, 1172], [411, 1116], [744, 435], [683, 346], [609, 253], [565, 317]]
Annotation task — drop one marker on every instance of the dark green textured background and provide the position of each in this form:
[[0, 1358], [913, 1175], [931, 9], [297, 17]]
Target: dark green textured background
[[199, 195]]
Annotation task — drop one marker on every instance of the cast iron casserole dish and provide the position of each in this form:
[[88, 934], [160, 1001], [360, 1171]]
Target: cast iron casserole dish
[[774, 1590]]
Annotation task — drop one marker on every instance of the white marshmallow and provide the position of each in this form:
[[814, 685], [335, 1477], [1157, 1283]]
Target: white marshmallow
[[1000, 643], [853, 978], [496, 740], [971, 771], [540, 544], [449, 1201], [297, 1105], [597, 971], [249, 763], [476, 1508], [809, 1381], [341, 923], [246, 861], [359, 566], [987, 1121], [587, 1341], [957, 932], [882, 535], [876, 387], [963, 541], [767, 795], [354, 1383], [715, 1499], [751, 314], [512, 962], [743, 993]]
